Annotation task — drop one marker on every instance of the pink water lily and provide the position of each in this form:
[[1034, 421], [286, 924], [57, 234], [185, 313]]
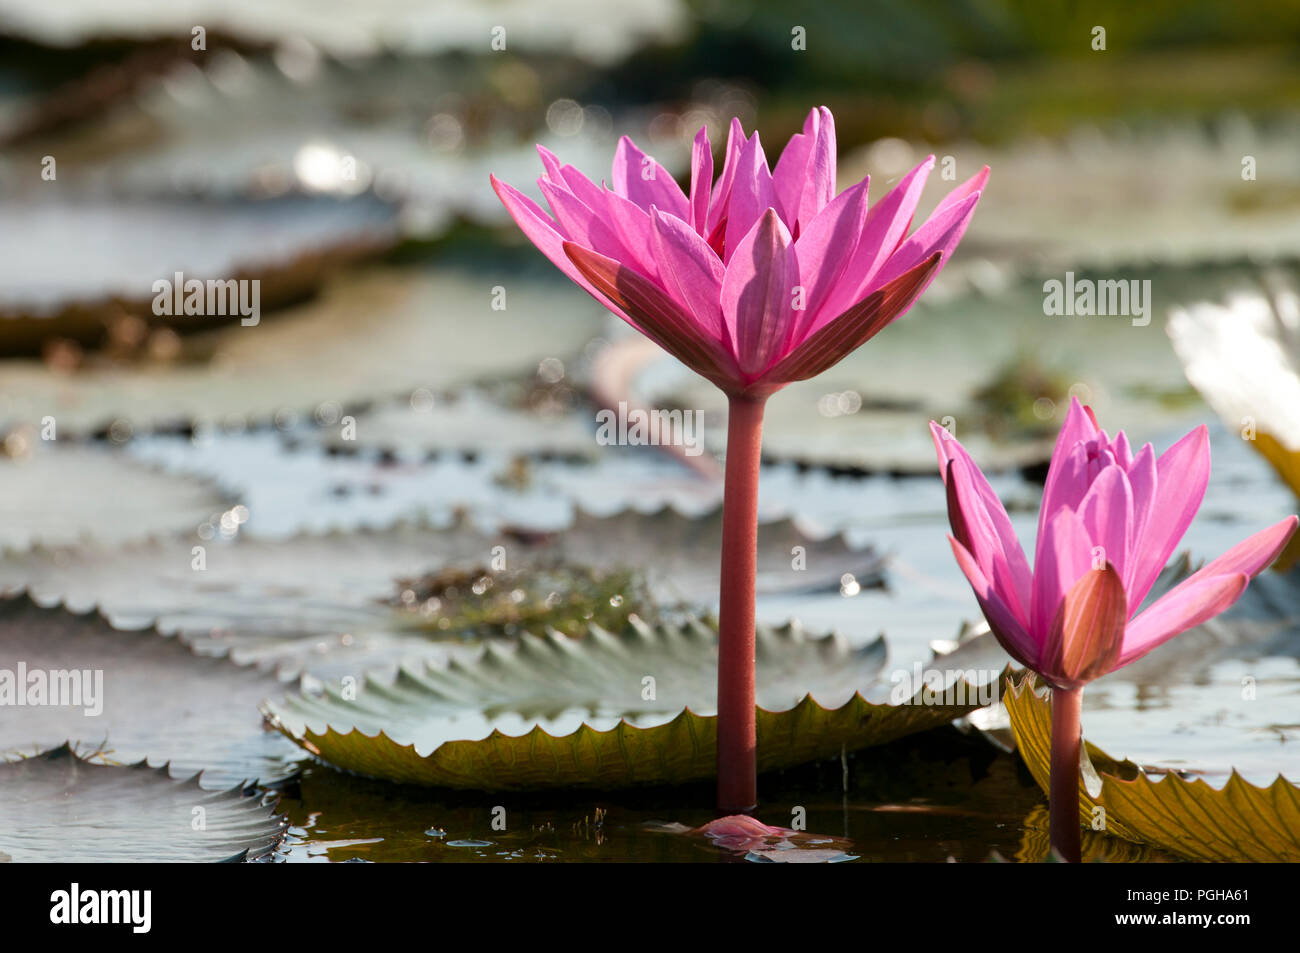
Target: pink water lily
[[1109, 521], [758, 279], [1106, 512], [762, 277]]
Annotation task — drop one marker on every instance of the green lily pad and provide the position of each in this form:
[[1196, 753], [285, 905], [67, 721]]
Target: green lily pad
[[324, 602], [1159, 196], [238, 126], [610, 710], [122, 697], [57, 495], [1238, 822], [429, 328], [58, 808], [112, 251], [469, 422]]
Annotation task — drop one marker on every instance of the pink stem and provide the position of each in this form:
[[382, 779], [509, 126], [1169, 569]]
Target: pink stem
[[1063, 797], [737, 766]]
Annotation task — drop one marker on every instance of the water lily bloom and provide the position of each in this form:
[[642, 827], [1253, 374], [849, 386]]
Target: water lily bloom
[[1109, 521], [760, 278]]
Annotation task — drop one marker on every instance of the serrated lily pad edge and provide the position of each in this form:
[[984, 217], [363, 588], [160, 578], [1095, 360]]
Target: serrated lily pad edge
[[380, 756], [238, 792]]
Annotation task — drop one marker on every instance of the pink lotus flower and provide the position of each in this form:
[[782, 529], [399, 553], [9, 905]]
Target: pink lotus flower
[[1109, 521], [760, 279]]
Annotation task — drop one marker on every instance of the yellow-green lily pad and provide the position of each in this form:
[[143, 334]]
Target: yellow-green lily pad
[[608, 710], [1238, 822]]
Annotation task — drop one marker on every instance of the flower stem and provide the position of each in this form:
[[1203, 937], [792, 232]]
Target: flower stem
[[1063, 798], [737, 766]]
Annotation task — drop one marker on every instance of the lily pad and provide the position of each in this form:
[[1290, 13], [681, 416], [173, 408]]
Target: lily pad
[[229, 126], [56, 495], [324, 601], [1238, 822], [112, 251], [1123, 195], [122, 697], [427, 328], [291, 486], [58, 808], [610, 710], [469, 423]]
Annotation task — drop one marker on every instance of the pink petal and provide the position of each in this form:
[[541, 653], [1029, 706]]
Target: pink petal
[[692, 273], [941, 233], [986, 530], [740, 832], [820, 177], [886, 224], [1142, 478], [632, 225], [1255, 554], [1248, 558], [550, 161], [1107, 514], [838, 338], [1064, 554], [701, 181], [825, 246], [655, 315], [1182, 474], [1120, 449], [788, 176], [1067, 478], [722, 189], [543, 232], [751, 195], [580, 223], [1183, 607], [739, 825], [972, 186], [611, 224], [1007, 629], [1207, 592], [804, 177], [757, 293], [645, 182]]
